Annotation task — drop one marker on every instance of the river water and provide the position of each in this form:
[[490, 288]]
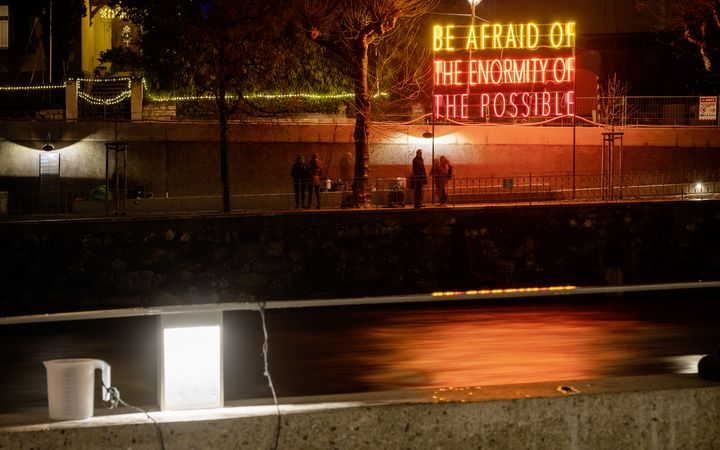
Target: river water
[[332, 350]]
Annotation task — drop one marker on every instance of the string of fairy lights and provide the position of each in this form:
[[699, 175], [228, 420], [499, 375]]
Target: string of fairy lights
[[152, 97], [306, 96]]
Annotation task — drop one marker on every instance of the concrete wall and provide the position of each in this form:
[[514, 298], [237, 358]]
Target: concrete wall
[[660, 412], [182, 158]]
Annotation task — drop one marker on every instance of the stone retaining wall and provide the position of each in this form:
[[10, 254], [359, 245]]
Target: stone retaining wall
[[65, 265]]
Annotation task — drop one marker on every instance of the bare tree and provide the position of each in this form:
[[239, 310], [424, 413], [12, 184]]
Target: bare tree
[[699, 21], [612, 103], [349, 28]]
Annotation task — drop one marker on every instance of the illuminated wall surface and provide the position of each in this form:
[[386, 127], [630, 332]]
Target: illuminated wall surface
[[508, 70]]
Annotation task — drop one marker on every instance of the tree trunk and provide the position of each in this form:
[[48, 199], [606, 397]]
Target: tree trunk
[[361, 184], [224, 180]]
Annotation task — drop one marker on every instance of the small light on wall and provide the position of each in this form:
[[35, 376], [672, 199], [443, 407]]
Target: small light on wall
[[191, 361], [427, 134], [48, 147]]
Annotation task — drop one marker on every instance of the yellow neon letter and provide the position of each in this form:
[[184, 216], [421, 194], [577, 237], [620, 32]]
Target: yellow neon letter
[[483, 35], [556, 35], [471, 40], [510, 37], [497, 32], [533, 36], [449, 37], [570, 34], [437, 37]]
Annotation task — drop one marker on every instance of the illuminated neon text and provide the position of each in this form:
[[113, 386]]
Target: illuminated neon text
[[504, 71], [505, 104], [498, 36], [511, 70]]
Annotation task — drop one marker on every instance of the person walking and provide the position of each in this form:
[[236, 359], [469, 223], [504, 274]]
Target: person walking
[[419, 178], [300, 174], [316, 167], [442, 177]]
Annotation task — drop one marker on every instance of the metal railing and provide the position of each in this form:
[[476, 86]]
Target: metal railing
[[643, 110], [386, 192]]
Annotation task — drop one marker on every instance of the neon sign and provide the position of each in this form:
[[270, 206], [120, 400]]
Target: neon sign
[[504, 70]]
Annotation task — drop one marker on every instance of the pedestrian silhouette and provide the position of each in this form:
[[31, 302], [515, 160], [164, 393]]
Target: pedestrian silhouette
[[301, 180], [316, 168], [419, 178]]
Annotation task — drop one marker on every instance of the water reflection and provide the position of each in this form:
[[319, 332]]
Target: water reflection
[[349, 350], [469, 347], [358, 349]]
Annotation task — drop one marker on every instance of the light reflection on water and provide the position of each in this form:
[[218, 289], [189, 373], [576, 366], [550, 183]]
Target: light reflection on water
[[314, 352], [467, 348]]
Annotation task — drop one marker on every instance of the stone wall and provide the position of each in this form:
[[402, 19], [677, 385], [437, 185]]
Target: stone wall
[[159, 111], [124, 262]]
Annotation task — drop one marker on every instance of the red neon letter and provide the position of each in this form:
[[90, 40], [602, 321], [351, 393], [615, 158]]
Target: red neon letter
[[447, 72], [484, 105], [513, 98], [495, 105], [450, 106], [457, 72], [438, 101], [545, 103], [570, 101], [438, 66], [526, 104], [496, 71], [472, 72], [562, 70]]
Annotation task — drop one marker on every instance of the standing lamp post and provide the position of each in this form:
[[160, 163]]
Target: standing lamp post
[[118, 176]]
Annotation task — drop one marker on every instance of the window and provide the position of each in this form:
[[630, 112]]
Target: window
[[4, 27]]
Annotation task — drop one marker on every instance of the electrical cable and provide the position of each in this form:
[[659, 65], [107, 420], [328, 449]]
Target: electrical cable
[[266, 372], [115, 400]]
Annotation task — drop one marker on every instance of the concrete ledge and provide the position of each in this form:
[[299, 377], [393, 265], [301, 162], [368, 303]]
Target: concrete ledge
[[652, 412]]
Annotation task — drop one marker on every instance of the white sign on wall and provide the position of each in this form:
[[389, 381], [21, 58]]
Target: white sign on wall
[[708, 108]]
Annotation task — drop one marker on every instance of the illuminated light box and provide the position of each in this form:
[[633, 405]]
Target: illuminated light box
[[191, 361]]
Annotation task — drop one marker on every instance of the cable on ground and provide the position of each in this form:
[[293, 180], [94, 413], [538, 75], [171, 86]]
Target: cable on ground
[[116, 400], [266, 372]]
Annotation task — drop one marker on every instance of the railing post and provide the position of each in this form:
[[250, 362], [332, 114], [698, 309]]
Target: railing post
[[624, 113], [71, 101]]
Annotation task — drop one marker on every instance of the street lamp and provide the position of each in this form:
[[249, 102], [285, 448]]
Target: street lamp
[[431, 135], [473, 4]]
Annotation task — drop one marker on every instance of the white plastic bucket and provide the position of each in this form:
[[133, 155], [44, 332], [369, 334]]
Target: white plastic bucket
[[71, 384]]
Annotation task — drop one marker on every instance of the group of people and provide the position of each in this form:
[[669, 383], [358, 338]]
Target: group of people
[[306, 178], [441, 173]]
